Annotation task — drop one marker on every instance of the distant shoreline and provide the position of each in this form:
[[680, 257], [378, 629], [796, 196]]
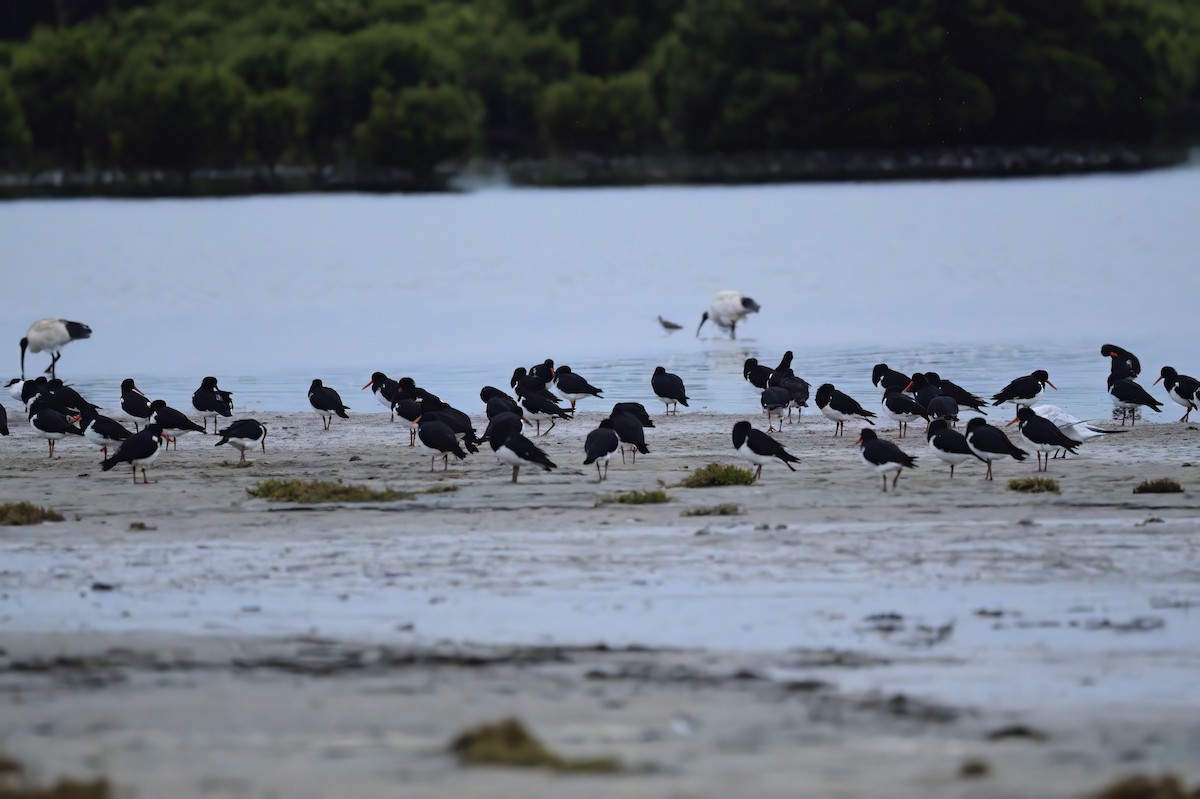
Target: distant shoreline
[[586, 171]]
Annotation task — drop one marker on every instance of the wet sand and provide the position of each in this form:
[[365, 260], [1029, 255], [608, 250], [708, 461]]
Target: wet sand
[[186, 639]]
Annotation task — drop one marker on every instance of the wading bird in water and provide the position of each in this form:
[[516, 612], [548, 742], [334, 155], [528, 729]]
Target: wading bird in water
[[727, 309], [51, 335]]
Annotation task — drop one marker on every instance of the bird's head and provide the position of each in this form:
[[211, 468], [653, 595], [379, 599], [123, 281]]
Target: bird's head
[[703, 319]]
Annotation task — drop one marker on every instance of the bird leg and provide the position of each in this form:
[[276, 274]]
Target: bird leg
[[895, 479], [134, 474], [445, 461], [599, 477], [243, 458], [551, 427], [952, 471], [733, 332], [988, 476], [885, 483], [572, 406], [412, 436], [517, 468], [758, 472], [633, 454], [538, 430], [606, 468], [622, 454], [50, 441], [432, 459]]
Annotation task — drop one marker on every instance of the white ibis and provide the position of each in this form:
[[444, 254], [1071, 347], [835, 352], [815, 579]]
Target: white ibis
[[51, 335], [727, 309]]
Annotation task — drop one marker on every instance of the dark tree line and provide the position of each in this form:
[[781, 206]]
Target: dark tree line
[[411, 84]]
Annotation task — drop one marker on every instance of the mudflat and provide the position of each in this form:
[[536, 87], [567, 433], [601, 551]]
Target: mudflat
[[823, 639]]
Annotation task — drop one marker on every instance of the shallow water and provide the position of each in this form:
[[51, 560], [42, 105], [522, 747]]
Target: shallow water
[[980, 280]]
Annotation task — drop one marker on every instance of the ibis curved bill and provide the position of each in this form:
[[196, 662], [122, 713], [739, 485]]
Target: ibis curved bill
[[727, 309]]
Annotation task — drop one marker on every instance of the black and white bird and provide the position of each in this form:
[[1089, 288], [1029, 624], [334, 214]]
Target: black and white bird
[[1042, 435], [538, 409], [956, 392], [174, 423], [14, 387], [635, 409], [669, 388], [774, 400], [408, 389], [881, 457], [1180, 388], [212, 402], [1127, 396], [921, 389], [1024, 390], [101, 430], [513, 448], [948, 446], [51, 335], [385, 389], [599, 446], [572, 386], [989, 443], [3, 421], [784, 377], [243, 434], [457, 420], [409, 411], [631, 433], [727, 309], [1072, 428], [53, 426], [543, 372], [139, 450], [885, 377], [903, 409], [134, 403], [759, 448], [437, 437], [1124, 363], [326, 402], [31, 388], [68, 396], [840, 407], [756, 374], [944, 408]]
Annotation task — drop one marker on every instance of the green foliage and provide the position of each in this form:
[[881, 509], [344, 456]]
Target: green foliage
[[419, 128], [508, 743], [1163, 485], [717, 474], [14, 133], [654, 496], [13, 514], [1034, 485], [604, 116], [405, 84], [723, 509], [318, 491]]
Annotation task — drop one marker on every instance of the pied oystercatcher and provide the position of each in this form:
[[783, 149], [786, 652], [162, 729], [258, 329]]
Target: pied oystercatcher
[[759, 448], [242, 434], [139, 450], [669, 388], [881, 457], [990, 443]]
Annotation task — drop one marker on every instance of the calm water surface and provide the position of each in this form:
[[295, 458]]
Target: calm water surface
[[980, 280]]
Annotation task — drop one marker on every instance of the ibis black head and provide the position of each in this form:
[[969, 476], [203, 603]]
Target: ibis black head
[[25, 344], [78, 330], [703, 319], [750, 305]]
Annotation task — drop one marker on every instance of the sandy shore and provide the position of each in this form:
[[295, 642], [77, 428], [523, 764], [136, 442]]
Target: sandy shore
[[186, 639]]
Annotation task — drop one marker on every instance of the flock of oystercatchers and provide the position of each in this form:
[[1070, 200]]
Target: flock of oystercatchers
[[55, 410]]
